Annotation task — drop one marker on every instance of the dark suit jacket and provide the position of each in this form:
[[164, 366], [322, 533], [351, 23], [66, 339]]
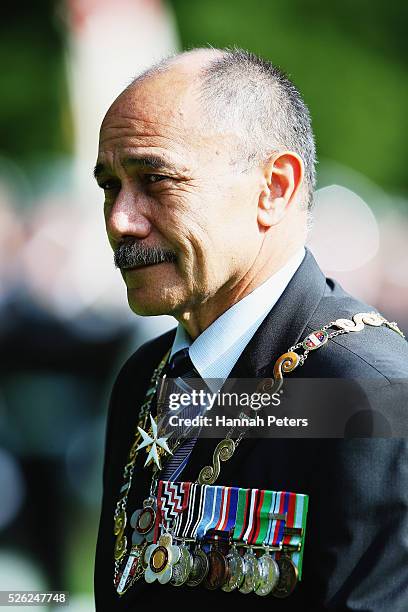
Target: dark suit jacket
[[356, 552]]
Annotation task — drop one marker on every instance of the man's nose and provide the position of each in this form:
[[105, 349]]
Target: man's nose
[[126, 217]]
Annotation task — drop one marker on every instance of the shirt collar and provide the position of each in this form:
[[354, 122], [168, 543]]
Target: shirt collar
[[215, 352]]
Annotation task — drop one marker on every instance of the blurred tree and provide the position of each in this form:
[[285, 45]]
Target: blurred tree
[[32, 79], [348, 59]]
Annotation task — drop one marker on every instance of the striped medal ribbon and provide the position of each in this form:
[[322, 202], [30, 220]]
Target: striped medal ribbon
[[228, 511], [209, 508], [187, 522], [277, 517], [296, 506], [219, 514], [172, 500], [259, 520]]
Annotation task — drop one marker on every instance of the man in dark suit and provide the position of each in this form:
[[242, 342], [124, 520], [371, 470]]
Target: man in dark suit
[[207, 163]]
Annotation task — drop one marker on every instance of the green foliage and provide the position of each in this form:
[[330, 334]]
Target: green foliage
[[33, 87], [347, 58]]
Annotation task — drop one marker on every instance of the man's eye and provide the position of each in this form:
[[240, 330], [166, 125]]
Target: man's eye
[[107, 185], [155, 178]]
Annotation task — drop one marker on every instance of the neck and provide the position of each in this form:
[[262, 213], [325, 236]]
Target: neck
[[197, 319]]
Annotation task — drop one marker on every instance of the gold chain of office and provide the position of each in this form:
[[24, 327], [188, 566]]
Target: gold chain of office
[[285, 364]]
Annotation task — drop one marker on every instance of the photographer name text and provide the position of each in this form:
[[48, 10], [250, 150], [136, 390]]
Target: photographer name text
[[241, 421]]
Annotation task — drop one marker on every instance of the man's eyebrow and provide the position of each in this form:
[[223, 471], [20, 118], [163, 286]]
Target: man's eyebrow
[[156, 162]]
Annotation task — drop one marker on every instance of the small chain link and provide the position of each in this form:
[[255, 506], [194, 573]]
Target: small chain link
[[338, 332], [295, 347], [128, 470]]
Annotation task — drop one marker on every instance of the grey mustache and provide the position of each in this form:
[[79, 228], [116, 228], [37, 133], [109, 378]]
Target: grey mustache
[[132, 254]]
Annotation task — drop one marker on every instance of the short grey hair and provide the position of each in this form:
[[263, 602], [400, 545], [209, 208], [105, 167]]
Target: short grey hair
[[246, 94]]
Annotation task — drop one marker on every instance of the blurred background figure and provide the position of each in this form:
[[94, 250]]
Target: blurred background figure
[[65, 327]]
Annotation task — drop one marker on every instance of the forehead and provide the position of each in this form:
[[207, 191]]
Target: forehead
[[161, 115]]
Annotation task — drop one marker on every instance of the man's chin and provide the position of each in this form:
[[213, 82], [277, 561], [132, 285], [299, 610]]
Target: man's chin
[[148, 307]]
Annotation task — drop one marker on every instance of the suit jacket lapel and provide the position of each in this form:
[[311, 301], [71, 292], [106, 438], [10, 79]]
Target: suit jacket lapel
[[285, 323]]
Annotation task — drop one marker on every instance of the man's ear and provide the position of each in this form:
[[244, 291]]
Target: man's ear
[[282, 178]]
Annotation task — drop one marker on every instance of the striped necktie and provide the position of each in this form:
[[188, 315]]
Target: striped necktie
[[179, 367]]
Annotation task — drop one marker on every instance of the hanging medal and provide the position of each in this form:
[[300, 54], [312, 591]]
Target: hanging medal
[[270, 535], [200, 561], [182, 569], [290, 560], [185, 528], [235, 570], [217, 570], [253, 505], [252, 576], [269, 574], [204, 511], [200, 567], [213, 514], [160, 559], [288, 577], [225, 525], [132, 569], [143, 521]]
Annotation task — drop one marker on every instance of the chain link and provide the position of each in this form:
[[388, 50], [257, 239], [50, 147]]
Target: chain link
[[128, 470], [304, 356]]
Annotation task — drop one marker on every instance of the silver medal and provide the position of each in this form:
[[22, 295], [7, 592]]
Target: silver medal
[[199, 569], [182, 569], [269, 573], [252, 576], [235, 570]]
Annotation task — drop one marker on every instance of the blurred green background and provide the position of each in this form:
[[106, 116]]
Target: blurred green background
[[349, 60]]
